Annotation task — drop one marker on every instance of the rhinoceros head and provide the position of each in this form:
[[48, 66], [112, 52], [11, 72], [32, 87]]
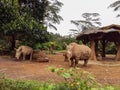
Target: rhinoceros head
[[18, 53], [67, 55]]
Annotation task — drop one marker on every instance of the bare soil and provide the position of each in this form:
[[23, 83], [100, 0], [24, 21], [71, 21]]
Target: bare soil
[[106, 71]]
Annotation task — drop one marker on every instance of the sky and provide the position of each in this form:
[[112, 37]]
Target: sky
[[73, 9]]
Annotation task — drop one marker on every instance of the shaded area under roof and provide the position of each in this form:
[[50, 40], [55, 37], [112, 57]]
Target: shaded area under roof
[[109, 33]]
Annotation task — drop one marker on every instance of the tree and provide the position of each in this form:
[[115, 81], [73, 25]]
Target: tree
[[25, 19], [44, 11], [91, 21], [52, 11], [116, 6]]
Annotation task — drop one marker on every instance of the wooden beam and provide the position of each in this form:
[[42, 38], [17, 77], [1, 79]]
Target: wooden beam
[[118, 52], [92, 45]]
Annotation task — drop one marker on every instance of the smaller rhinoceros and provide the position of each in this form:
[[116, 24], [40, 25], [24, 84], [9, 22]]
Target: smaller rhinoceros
[[76, 53], [24, 50]]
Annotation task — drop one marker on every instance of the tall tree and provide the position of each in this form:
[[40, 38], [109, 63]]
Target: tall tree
[[52, 13], [90, 21], [22, 19], [116, 6], [44, 11]]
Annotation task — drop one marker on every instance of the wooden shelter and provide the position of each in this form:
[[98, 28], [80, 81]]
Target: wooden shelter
[[105, 34]]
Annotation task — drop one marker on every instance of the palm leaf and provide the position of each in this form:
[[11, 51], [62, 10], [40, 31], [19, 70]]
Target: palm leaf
[[52, 26], [117, 8], [97, 19], [118, 15], [73, 30], [74, 22], [99, 23], [95, 14], [115, 4]]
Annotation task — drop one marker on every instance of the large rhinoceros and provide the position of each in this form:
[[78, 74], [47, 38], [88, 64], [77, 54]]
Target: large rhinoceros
[[68, 48], [77, 52], [24, 50]]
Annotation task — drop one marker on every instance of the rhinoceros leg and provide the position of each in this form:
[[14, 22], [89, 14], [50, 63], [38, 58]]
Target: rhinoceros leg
[[72, 62], [24, 56], [85, 62], [31, 56], [76, 62]]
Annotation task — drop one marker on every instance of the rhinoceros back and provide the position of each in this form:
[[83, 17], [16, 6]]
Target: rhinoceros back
[[26, 50], [81, 52]]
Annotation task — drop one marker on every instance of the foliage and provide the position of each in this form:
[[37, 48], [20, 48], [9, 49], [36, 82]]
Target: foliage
[[44, 11], [76, 79], [8, 13], [116, 6], [3, 44], [91, 21], [11, 84], [110, 48], [51, 15], [57, 40], [25, 20]]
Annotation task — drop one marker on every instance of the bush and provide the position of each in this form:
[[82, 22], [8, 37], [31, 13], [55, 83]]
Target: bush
[[111, 49], [10, 84], [74, 80]]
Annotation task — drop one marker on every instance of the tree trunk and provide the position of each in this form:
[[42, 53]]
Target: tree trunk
[[92, 45], [13, 42]]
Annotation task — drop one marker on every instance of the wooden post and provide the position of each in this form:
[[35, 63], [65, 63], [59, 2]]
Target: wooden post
[[118, 52], [92, 45], [103, 48], [96, 47]]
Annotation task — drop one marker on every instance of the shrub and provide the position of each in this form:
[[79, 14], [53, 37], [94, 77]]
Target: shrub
[[74, 80]]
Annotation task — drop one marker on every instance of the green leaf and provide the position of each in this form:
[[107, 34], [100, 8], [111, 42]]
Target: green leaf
[[66, 75]]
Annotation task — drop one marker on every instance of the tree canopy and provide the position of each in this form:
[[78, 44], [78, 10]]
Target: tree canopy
[[116, 6], [26, 19], [90, 21]]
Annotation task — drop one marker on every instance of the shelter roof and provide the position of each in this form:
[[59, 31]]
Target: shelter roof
[[100, 31], [114, 26]]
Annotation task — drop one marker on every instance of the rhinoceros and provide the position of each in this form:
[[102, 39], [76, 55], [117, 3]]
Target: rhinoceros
[[68, 48], [76, 53], [24, 50]]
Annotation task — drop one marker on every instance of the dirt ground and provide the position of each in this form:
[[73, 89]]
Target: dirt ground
[[106, 71]]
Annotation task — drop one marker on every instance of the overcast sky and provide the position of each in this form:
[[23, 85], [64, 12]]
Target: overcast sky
[[73, 9]]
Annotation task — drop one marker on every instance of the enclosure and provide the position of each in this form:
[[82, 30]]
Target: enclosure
[[106, 71]]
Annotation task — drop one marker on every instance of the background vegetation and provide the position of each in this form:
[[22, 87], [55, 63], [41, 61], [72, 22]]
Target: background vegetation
[[28, 22]]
